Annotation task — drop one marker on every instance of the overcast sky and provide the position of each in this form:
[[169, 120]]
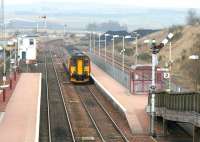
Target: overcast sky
[[78, 13], [138, 3]]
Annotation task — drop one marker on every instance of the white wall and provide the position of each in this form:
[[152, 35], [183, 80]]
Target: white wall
[[25, 46]]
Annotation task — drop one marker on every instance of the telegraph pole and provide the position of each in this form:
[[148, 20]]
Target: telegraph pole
[[3, 38]]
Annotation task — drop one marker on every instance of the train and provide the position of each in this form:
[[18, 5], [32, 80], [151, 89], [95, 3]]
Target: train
[[78, 67]]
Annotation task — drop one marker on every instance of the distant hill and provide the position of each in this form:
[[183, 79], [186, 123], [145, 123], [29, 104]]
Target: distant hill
[[141, 32], [144, 32], [23, 24]]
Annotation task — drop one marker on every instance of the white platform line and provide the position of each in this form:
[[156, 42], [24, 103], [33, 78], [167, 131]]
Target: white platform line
[[38, 110], [109, 94], [1, 116]]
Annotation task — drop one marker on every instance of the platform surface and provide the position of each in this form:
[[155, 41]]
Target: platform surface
[[132, 105], [9, 92], [20, 121]]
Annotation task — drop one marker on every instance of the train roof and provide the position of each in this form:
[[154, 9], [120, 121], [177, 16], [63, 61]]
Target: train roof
[[78, 54]]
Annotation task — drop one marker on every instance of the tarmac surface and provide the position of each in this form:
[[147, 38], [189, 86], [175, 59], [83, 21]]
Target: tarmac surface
[[20, 121]]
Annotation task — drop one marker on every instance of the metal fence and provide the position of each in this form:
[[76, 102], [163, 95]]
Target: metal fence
[[121, 76], [174, 87]]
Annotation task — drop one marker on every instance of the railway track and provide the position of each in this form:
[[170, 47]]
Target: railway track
[[44, 126], [59, 124], [105, 125], [82, 126], [78, 109]]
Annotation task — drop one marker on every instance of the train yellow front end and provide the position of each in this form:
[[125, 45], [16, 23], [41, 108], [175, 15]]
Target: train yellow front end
[[79, 68]]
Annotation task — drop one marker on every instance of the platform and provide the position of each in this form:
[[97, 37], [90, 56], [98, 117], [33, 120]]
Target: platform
[[133, 106], [8, 92], [20, 121]]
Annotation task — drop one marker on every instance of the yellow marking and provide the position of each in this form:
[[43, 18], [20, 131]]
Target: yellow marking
[[72, 69], [82, 81], [80, 67]]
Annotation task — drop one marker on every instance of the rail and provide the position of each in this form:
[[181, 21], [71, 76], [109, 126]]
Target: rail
[[98, 114], [58, 130]]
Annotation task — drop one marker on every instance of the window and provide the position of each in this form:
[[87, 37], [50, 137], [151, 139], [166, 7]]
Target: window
[[73, 62], [31, 41], [86, 62]]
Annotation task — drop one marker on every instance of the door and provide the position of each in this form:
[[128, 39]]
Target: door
[[23, 55], [80, 66]]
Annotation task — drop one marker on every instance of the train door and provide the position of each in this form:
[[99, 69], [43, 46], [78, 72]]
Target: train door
[[80, 66]]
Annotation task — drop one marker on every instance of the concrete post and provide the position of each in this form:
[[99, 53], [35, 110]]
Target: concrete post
[[4, 95], [10, 83], [196, 134], [165, 127]]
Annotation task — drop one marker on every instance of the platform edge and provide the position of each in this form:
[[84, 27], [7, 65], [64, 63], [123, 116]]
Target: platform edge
[[38, 110]]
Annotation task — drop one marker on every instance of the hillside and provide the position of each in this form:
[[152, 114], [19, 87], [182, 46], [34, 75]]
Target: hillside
[[183, 42], [182, 48]]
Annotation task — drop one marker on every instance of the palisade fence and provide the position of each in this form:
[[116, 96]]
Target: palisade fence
[[116, 73]]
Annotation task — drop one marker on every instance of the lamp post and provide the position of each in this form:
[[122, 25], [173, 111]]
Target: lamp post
[[105, 44], [99, 44], [90, 42], [94, 41], [113, 50], [123, 49], [195, 57], [136, 47]]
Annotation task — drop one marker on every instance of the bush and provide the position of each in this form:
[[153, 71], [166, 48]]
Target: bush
[[144, 57], [177, 31], [183, 54], [129, 52]]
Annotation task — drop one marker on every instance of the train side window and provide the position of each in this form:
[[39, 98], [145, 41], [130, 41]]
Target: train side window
[[86, 62], [73, 62]]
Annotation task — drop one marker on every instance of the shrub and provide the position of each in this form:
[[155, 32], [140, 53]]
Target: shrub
[[144, 57]]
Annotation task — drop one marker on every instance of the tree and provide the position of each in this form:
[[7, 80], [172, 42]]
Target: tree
[[106, 26], [192, 17]]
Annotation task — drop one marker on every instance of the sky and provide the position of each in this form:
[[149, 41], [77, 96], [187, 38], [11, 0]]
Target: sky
[[135, 14], [138, 3]]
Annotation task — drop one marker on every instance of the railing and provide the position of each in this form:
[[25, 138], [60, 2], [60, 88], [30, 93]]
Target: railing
[[182, 107], [115, 71]]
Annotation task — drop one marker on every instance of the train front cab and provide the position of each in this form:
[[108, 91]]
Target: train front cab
[[79, 69]]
